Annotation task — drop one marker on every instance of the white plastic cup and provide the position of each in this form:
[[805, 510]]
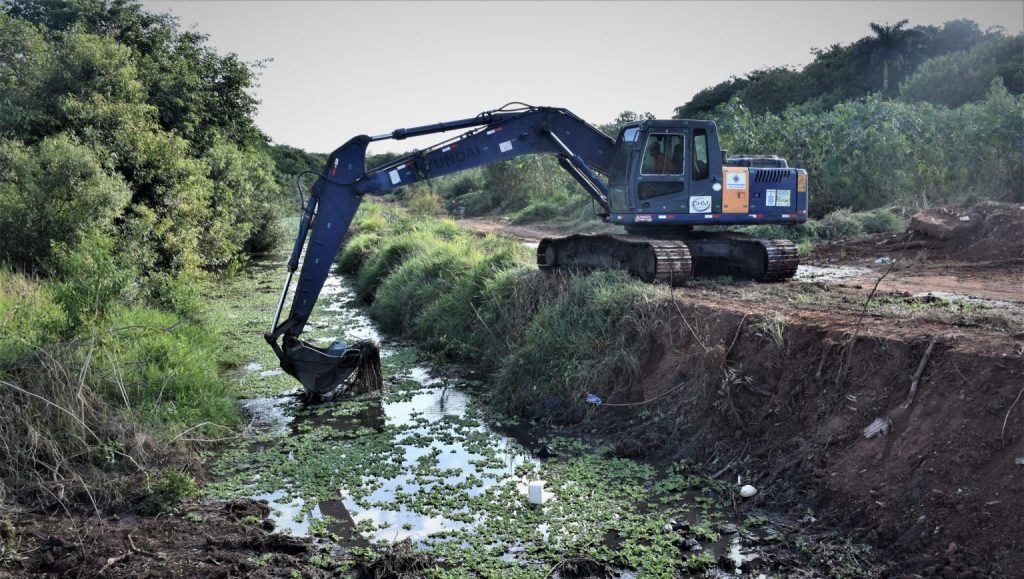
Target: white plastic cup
[[536, 492]]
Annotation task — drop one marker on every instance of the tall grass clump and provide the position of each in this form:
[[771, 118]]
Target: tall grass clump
[[548, 339], [97, 397]]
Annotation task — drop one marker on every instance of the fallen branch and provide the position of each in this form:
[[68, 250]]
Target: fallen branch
[[113, 561], [920, 370], [722, 471], [1008, 410]]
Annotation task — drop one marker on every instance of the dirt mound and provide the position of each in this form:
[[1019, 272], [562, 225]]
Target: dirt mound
[[987, 231]]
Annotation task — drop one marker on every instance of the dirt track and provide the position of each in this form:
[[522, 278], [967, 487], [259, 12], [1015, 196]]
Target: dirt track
[[941, 492], [859, 263]]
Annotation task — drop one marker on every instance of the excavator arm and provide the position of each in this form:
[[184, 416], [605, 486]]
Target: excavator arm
[[581, 149]]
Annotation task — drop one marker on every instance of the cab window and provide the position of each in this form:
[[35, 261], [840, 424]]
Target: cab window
[[619, 169], [700, 154], [663, 155]]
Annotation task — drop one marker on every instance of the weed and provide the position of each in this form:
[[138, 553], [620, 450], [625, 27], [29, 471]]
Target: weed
[[261, 560], [699, 562], [8, 543], [772, 330], [167, 491]]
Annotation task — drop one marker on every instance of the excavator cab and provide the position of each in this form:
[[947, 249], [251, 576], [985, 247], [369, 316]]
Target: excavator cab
[[665, 168]]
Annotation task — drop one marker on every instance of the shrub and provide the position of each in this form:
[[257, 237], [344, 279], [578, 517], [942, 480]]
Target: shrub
[[167, 491], [425, 202], [91, 280], [53, 192], [838, 225], [547, 337], [881, 221], [29, 317]]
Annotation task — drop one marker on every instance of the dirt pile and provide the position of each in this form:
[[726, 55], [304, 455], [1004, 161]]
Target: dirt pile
[[986, 231]]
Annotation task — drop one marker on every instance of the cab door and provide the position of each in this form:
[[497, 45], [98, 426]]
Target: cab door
[[661, 180]]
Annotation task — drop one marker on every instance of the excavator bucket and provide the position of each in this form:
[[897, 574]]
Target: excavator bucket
[[322, 370]]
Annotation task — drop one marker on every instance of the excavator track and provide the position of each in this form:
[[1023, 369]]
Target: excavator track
[[736, 254], [652, 260], [672, 260], [782, 260]]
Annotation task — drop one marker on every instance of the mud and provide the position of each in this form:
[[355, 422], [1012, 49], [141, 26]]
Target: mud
[[232, 539]]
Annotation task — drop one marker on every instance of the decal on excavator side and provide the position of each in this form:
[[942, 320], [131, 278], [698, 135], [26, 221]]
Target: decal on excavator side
[[454, 157]]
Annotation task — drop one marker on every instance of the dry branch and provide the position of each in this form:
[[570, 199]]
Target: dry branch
[[920, 370]]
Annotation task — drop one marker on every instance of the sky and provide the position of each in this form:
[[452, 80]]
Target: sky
[[341, 69]]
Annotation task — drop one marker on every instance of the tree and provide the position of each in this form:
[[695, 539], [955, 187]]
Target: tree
[[891, 41]]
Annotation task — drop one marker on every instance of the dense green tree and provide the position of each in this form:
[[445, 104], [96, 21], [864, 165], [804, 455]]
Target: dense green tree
[[966, 76], [144, 105], [838, 73], [53, 192], [197, 92], [612, 129], [873, 152]]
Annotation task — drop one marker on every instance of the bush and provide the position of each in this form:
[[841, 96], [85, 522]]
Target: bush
[[881, 221], [167, 491], [425, 201], [80, 417], [29, 317], [91, 280], [839, 225], [53, 192]]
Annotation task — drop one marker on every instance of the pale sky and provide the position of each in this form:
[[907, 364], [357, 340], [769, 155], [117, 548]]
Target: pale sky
[[346, 68]]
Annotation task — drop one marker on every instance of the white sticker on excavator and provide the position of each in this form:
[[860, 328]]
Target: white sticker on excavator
[[395, 179], [700, 204], [782, 198], [769, 198], [737, 180], [505, 147]]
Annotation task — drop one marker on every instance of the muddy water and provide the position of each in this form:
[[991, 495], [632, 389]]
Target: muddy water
[[423, 464]]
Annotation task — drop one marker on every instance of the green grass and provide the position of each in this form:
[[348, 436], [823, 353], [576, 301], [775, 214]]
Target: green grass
[[87, 403]]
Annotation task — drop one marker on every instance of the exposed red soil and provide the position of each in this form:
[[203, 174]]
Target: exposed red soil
[[982, 257]]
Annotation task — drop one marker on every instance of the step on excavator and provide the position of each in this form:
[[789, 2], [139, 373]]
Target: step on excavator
[[658, 179]]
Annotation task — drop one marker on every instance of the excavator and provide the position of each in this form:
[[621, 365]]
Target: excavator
[[659, 179]]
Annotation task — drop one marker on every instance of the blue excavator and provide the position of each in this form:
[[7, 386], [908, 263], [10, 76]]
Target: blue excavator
[[658, 179]]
